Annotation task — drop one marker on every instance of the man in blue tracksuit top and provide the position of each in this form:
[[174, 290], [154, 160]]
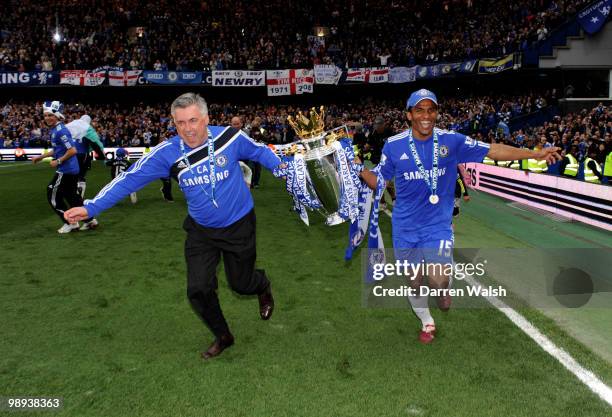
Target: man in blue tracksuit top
[[63, 186], [423, 160], [221, 218]]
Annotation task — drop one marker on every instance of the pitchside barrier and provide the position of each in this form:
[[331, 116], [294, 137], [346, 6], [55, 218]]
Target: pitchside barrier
[[11, 155], [573, 199]]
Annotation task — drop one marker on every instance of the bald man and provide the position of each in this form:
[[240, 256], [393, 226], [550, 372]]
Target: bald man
[[236, 122]]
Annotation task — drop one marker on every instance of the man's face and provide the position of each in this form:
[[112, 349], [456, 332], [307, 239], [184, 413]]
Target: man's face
[[191, 125], [50, 119], [236, 123], [423, 117]]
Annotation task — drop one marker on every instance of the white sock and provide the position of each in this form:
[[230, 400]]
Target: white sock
[[421, 309]]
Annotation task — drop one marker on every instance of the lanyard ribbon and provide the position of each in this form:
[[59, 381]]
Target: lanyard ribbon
[[211, 166], [433, 184]]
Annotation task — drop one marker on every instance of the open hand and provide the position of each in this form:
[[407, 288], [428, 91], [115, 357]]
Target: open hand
[[76, 214], [550, 155]]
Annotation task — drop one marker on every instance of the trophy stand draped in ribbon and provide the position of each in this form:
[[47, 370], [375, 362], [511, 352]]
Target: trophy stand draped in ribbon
[[321, 173]]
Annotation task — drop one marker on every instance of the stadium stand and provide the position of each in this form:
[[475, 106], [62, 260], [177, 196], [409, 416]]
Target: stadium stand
[[585, 133], [135, 34]]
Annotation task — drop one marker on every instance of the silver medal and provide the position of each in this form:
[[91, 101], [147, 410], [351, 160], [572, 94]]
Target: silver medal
[[433, 199]]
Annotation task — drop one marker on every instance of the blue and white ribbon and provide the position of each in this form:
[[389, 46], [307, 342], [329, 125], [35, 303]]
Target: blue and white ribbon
[[359, 227], [367, 222], [349, 180], [376, 246], [300, 183], [290, 177]]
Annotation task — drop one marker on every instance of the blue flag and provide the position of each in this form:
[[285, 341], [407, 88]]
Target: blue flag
[[593, 18], [172, 77]]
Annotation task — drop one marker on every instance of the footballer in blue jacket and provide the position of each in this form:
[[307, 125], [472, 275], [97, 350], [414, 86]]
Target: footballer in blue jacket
[[63, 187], [423, 160], [221, 220]]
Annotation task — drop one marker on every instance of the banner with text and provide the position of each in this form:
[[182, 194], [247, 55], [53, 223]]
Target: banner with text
[[593, 18], [172, 77], [83, 77], [398, 75], [373, 75], [289, 82], [327, 74], [238, 78], [29, 78], [494, 66]]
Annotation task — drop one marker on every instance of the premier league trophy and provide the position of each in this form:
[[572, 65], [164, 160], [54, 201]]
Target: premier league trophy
[[329, 181]]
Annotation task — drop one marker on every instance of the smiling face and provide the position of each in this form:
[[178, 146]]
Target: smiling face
[[191, 125], [423, 117], [50, 119]]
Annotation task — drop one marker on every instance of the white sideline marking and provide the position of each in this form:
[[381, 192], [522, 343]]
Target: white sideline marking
[[14, 164], [587, 377]]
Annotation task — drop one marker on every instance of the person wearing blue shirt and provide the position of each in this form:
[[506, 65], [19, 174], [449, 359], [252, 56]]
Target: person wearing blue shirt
[[63, 186], [423, 160], [221, 221]]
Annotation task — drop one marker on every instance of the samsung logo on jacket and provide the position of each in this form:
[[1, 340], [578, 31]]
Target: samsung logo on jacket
[[166, 159]]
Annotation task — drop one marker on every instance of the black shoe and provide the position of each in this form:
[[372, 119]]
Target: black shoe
[[219, 345], [266, 303]]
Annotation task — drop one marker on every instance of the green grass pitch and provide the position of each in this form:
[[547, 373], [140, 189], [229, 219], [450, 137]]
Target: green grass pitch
[[100, 318]]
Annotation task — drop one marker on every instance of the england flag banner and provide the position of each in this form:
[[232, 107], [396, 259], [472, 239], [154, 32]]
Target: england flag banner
[[377, 75], [327, 74], [82, 77], [120, 78], [238, 78], [357, 75], [374, 75], [289, 82]]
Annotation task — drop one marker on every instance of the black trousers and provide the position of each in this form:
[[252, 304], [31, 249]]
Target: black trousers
[[167, 188], [62, 188], [203, 249], [84, 165], [256, 168]]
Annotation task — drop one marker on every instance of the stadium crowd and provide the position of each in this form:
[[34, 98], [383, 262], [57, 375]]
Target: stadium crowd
[[146, 125], [585, 134], [199, 35]]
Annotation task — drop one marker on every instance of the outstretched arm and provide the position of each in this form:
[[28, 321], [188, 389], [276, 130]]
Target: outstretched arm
[[501, 152], [149, 168], [43, 156], [252, 151]]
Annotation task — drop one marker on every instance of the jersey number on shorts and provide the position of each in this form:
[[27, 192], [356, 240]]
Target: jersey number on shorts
[[446, 248]]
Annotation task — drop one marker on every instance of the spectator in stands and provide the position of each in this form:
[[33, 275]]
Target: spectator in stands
[[232, 35], [377, 138], [257, 133]]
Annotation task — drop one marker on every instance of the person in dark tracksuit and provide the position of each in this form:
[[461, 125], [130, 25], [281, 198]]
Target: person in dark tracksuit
[[221, 221], [119, 164], [63, 186]]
